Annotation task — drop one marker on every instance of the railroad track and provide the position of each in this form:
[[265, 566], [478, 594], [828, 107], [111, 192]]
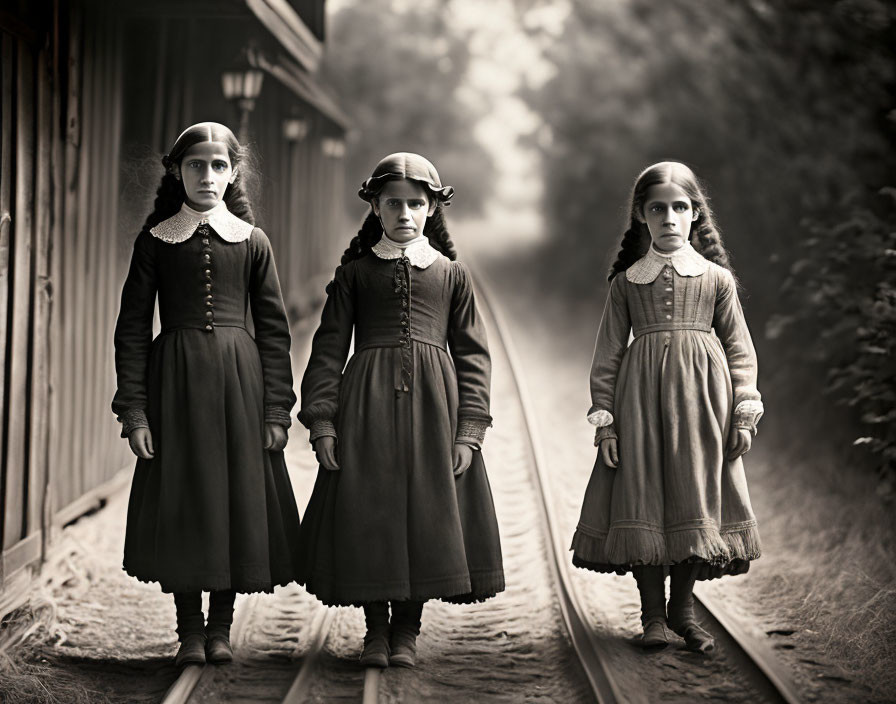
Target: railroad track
[[751, 656]]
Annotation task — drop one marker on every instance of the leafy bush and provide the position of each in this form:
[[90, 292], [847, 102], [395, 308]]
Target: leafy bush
[[841, 294]]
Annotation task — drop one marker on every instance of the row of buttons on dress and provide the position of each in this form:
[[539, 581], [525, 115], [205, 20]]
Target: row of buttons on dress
[[207, 273], [667, 284], [667, 279]]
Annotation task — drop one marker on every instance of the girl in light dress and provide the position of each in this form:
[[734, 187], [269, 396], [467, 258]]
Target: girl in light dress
[[674, 411]]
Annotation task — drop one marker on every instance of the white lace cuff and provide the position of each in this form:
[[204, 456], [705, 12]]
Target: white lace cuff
[[600, 419], [747, 415]]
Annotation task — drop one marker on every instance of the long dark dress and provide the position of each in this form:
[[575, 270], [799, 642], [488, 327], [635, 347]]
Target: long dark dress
[[394, 523], [212, 510]]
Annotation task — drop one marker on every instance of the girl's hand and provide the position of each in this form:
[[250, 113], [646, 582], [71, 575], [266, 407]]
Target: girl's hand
[[274, 437], [739, 442], [140, 440], [463, 457], [325, 449], [609, 452]]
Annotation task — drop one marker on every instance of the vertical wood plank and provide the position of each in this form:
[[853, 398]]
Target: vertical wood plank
[[18, 363], [67, 401], [7, 126], [39, 392], [55, 251], [79, 273]]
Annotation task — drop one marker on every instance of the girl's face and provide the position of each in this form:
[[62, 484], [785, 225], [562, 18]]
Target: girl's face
[[206, 171], [402, 207], [668, 213]]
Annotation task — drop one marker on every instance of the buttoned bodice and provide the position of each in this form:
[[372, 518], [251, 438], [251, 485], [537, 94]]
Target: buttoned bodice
[[672, 302], [203, 282]]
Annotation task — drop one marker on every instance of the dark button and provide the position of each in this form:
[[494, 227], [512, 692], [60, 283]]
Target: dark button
[[209, 315], [208, 287], [209, 328], [402, 342], [209, 296], [210, 304], [205, 241], [208, 257], [404, 323]]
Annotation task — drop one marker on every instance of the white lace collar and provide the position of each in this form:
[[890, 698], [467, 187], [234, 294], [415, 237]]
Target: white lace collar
[[419, 251], [686, 260], [180, 227]]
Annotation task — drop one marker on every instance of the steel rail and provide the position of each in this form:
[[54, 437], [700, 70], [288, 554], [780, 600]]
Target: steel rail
[[585, 643], [752, 655], [320, 629]]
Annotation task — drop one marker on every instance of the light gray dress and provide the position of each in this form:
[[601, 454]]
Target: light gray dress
[[670, 397]]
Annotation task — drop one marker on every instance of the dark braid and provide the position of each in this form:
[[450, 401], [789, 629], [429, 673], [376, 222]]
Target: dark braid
[[635, 243], [704, 237], [436, 230]]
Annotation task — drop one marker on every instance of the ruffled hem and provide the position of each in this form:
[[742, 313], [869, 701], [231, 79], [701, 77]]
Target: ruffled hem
[[456, 590], [209, 583], [724, 552]]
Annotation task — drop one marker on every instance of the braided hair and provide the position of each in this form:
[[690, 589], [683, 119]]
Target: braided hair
[[705, 236], [371, 231], [170, 195]]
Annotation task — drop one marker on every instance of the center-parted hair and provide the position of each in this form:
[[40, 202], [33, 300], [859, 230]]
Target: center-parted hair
[[171, 195], [705, 236]]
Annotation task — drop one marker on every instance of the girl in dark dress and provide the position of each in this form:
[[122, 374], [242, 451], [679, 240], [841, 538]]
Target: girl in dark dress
[[401, 511], [205, 405]]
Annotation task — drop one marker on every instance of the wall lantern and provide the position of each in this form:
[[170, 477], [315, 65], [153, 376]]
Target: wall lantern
[[242, 85], [295, 129], [334, 148]]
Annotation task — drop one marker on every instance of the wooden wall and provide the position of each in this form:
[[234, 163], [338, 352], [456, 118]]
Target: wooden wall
[[29, 152], [88, 267]]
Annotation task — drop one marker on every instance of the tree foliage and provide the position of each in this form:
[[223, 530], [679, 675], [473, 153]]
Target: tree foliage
[[782, 109], [400, 71]]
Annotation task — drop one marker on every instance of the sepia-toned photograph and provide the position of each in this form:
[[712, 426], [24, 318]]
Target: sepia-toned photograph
[[464, 351]]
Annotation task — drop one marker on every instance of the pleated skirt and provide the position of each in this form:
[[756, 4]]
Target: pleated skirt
[[674, 496]]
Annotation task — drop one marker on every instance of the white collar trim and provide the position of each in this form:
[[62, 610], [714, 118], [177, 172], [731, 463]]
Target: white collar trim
[[181, 226], [419, 251], [686, 261]]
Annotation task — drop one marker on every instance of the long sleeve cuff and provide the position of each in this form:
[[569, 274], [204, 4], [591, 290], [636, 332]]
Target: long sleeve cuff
[[600, 418], [277, 415], [471, 432], [747, 415], [603, 432], [131, 420], [322, 428]]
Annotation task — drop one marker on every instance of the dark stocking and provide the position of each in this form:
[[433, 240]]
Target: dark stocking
[[681, 599], [681, 608], [376, 616], [652, 587], [189, 614], [220, 613], [406, 616]]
